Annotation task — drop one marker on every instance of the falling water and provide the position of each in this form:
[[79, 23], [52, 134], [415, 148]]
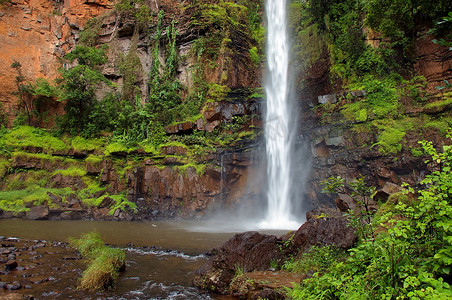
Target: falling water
[[279, 123]]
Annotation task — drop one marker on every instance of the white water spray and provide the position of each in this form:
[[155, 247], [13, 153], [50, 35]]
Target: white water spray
[[278, 121]]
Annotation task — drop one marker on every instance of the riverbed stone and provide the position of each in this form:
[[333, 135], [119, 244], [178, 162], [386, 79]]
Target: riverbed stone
[[11, 265], [13, 286]]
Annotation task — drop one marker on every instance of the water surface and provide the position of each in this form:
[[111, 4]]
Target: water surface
[[163, 272]]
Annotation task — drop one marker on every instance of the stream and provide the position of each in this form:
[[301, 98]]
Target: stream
[[162, 257]]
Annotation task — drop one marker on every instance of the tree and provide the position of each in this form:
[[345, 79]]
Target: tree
[[79, 86]]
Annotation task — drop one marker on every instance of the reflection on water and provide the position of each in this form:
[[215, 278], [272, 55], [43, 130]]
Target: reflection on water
[[161, 256]]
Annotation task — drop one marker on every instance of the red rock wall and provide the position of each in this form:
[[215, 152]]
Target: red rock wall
[[37, 33]]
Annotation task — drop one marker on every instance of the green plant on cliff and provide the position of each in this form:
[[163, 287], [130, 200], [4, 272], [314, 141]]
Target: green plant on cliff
[[139, 10], [45, 94], [26, 136], [361, 194], [24, 93], [410, 256], [3, 116], [79, 84], [130, 68], [90, 34], [317, 259], [164, 88], [399, 20]]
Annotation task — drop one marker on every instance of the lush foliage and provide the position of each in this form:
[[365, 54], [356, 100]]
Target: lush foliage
[[340, 27], [361, 216], [79, 84], [105, 263], [410, 254], [317, 259]]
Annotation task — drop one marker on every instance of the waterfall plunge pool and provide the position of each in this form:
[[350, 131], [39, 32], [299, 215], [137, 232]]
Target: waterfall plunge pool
[[162, 256]]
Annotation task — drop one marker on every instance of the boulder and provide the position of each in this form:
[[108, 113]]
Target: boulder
[[13, 286], [324, 99], [324, 231], [249, 251], [38, 213]]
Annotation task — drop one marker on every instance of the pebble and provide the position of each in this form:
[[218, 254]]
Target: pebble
[[11, 265], [13, 286]]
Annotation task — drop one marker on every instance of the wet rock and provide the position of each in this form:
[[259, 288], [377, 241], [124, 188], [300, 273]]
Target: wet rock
[[250, 251], [181, 128], [325, 231], [38, 213], [345, 203], [11, 265], [332, 98], [388, 189], [11, 257], [174, 150], [13, 286]]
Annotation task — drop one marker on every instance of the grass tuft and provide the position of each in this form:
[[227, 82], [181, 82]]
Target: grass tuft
[[105, 262]]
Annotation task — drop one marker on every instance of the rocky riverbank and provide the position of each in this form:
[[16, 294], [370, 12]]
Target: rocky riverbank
[[248, 265], [35, 267]]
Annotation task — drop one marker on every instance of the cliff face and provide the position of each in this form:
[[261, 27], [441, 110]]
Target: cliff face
[[37, 34]]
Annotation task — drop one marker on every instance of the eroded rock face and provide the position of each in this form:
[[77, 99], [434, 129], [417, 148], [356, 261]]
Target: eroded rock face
[[434, 61]]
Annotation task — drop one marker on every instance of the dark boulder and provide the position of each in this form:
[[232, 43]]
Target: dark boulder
[[249, 251], [324, 231]]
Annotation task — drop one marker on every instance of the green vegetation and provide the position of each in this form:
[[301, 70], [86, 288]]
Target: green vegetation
[[317, 259], [27, 136], [79, 85], [105, 263], [17, 201], [408, 256]]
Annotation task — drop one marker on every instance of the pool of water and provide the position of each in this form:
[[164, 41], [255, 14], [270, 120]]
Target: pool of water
[[162, 257]]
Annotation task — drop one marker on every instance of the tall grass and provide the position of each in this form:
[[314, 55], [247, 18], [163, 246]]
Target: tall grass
[[105, 262]]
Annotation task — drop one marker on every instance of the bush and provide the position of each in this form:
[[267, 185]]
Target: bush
[[411, 255]]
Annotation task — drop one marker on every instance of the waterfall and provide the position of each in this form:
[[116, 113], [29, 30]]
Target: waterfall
[[279, 121]]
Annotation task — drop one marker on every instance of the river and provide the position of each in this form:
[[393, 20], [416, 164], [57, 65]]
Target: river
[[162, 257]]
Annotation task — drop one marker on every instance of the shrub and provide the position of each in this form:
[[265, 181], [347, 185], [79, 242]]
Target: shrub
[[410, 258]]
